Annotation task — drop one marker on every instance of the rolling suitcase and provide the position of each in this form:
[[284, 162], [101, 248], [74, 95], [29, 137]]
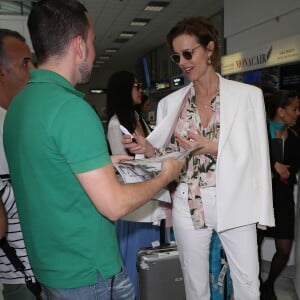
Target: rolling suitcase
[[159, 272]]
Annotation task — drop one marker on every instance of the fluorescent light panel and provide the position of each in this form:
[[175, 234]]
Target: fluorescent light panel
[[121, 41], [96, 91], [104, 57], [128, 34], [111, 50], [139, 22], [156, 6]]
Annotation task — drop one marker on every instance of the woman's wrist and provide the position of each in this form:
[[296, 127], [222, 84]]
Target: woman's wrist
[[150, 151], [214, 150]]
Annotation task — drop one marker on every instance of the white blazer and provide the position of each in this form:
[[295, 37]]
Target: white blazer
[[243, 175]]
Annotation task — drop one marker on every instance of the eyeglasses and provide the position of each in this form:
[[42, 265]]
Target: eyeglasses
[[187, 54], [138, 85]]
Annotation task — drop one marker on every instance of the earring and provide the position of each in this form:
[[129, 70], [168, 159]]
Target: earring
[[209, 60]]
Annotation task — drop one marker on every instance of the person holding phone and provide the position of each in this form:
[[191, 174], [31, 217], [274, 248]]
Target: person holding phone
[[139, 228], [226, 186]]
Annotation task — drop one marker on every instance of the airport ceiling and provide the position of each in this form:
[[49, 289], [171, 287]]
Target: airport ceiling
[[119, 44], [113, 17]]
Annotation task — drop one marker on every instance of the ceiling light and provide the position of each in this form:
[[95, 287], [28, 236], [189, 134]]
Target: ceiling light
[[96, 91], [156, 6], [121, 40], [111, 50], [139, 22], [19, 7], [128, 34], [104, 57]]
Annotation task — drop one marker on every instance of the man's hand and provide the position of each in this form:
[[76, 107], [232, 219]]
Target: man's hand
[[171, 168]]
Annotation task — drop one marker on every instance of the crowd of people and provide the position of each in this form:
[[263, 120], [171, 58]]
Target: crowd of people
[[82, 226]]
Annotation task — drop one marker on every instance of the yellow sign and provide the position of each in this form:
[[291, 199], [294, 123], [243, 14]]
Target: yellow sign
[[276, 53]]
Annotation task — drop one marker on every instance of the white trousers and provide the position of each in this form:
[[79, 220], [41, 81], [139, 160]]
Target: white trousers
[[240, 246]]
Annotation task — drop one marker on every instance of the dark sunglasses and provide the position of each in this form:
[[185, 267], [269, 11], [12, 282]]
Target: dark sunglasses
[[138, 85], [187, 54]]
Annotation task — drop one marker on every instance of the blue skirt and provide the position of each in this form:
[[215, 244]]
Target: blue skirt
[[132, 236]]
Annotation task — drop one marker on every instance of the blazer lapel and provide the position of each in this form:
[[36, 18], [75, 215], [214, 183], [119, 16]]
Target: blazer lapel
[[163, 131], [229, 102]]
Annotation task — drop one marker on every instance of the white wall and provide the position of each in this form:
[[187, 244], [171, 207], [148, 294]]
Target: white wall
[[247, 24], [17, 23]]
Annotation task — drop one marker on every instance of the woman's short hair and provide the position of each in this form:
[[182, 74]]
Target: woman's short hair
[[199, 27]]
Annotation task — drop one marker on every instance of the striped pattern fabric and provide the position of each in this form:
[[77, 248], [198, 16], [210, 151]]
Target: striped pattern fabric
[[8, 275]]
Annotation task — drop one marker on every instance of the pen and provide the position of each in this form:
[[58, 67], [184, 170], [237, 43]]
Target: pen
[[125, 131]]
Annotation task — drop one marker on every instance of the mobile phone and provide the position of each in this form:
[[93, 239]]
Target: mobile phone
[[126, 131]]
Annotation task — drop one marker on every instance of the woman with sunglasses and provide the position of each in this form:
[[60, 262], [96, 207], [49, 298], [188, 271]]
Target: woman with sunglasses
[[227, 184], [135, 230]]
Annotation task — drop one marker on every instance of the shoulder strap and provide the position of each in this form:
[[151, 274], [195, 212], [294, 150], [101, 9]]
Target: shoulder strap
[[11, 254]]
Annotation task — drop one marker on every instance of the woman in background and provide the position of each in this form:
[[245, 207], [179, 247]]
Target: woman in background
[[135, 230], [143, 110], [283, 111]]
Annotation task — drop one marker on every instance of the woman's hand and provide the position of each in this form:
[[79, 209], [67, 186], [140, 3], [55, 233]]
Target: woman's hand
[[282, 170], [140, 145], [194, 139]]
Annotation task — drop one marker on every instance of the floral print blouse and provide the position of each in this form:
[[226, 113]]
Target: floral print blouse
[[201, 169]]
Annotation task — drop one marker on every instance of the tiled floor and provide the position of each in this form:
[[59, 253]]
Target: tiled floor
[[285, 289], [284, 285]]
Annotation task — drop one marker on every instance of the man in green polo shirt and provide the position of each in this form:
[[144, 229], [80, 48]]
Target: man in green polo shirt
[[67, 193]]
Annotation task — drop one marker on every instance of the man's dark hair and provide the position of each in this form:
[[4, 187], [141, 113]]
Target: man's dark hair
[[4, 33], [53, 23]]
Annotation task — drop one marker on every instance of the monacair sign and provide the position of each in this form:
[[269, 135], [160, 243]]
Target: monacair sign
[[277, 53]]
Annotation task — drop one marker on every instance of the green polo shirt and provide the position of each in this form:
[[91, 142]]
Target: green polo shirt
[[50, 134]]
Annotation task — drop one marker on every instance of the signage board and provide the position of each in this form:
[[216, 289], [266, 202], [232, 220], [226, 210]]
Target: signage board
[[276, 53]]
